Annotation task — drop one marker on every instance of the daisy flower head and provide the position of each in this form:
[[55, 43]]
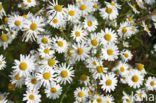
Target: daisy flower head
[[80, 94], [73, 13], [78, 33], [134, 8], [90, 23], [140, 95], [99, 71], [92, 62], [16, 22], [113, 4], [56, 22], [29, 3], [94, 40], [45, 51], [60, 45], [54, 9], [98, 99], [95, 5], [84, 79], [33, 28], [22, 6], [64, 74], [135, 78], [32, 96], [127, 98], [85, 7], [2, 62], [109, 12], [151, 83], [140, 3], [3, 98], [81, 51], [2, 11], [17, 79], [32, 83], [53, 91], [46, 76], [109, 82], [110, 52], [108, 36], [109, 99], [146, 28], [126, 55], [24, 66], [44, 40], [140, 67], [130, 19], [5, 39]]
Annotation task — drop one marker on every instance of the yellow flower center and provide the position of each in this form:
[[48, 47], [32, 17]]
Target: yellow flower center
[[0, 63], [126, 55], [80, 51], [110, 52], [29, 1], [81, 94], [31, 97], [152, 83], [99, 100], [1, 7], [100, 69], [124, 30], [107, 101], [128, 100], [55, 21], [25, 16], [90, 23], [108, 37], [17, 77], [83, 7], [133, 29], [1, 98], [4, 37], [130, 19], [146, 28], [95, 6], [6, 19], [23, 66], [17, 23], [108, 82], [58, 8], [40, 57], [113, 4], [51, 62], [33, 26], [71, 12], [140, 95], [83, 77], [53, 90], [94, 42], [109, 10], [135, 78], [64, 74], [77, 33], [122, 69], [33, 81], [89, 92], [46, 76], [94, 62], [23, 5], [46, 51], [60, 43], [140, 3], [11, 86], [44, 40], [129, 69], [140, 67]]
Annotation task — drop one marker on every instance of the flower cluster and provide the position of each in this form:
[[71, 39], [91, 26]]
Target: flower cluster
[[85, 41]]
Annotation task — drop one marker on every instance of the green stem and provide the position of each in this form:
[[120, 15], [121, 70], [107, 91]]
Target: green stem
[[64, 95]]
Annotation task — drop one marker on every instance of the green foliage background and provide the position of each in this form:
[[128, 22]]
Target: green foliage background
[[140, 45]]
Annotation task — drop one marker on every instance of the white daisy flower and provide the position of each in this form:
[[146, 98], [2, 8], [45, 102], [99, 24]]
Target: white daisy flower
[[108, 36], [46, 76], [99, 71], [24, 66], [109, 12], [94, 40], [45, 51], [140, 95], [110, 52], [33, 28], [84, 79], [113, 4], [151, 83], [90, 23], [80, 94], [53, 91], [64, 74], [92, 62], [108, 99], [146, 28], [2, 11], [29, 3], [109, 82], [134, 79], [78, 33], [2, 62], [127, 98], [49, 63], [3, 98], [60, 45], [141, 4], [140, 67], [126, 55], [44, 40], [133, 8], [32, 96], [81, 51], [98, 99]]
